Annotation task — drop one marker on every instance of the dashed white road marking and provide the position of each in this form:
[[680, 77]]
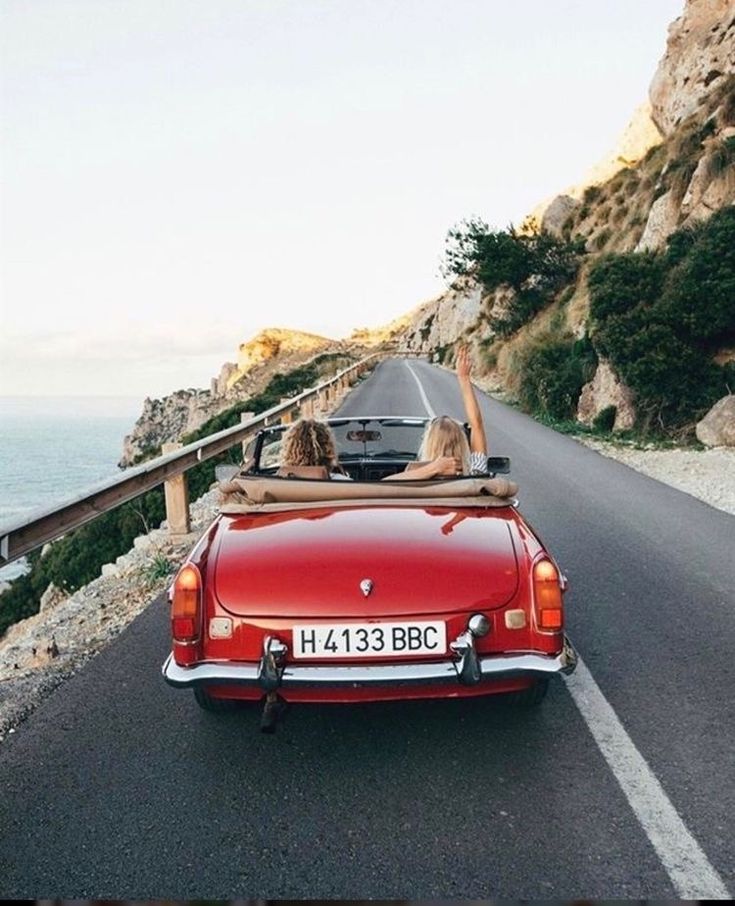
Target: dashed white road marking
[[687, 866], [690, 871], [424, 398]]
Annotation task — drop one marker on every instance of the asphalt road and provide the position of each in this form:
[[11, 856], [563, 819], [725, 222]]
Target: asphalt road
[[621, 786]]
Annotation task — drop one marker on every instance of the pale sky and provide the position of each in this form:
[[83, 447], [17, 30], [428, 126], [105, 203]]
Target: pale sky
[[178, 174]]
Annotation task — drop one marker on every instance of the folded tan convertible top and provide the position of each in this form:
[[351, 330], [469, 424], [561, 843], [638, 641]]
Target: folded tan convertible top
[[265, 493]]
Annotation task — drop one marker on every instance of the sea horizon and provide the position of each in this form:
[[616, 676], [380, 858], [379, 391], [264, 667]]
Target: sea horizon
[[55, 446]]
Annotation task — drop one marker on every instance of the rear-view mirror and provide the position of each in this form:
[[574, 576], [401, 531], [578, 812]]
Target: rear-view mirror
[[363, 437]]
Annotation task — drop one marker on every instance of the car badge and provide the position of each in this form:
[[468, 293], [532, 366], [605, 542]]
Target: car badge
[[366, 586]]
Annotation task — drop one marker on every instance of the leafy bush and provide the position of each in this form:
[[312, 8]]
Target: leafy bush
[[659, 317], [507, 257], [722, 159], [619, 283], [159, 568], [535, 266], [77, 558], [553, 372], [604, 421], [699, 297]]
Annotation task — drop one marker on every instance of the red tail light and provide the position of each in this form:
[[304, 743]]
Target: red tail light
[[547, 596], [186, 605]]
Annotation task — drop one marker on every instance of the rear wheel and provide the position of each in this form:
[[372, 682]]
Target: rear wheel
[[530, 697], [214, 705]]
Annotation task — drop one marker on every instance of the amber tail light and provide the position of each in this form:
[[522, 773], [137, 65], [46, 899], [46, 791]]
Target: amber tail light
[[547, 596], [186, 605]]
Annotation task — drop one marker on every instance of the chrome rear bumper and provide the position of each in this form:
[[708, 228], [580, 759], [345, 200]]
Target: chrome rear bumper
[[361, 675]]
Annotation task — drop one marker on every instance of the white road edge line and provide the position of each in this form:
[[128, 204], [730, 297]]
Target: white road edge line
[[424, 398], [689, 869]]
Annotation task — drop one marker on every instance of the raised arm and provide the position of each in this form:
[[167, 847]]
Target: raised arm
[[478, 441]]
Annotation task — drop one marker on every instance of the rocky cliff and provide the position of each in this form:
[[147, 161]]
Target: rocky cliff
[[673, 167], [700, 54], [272, 351]]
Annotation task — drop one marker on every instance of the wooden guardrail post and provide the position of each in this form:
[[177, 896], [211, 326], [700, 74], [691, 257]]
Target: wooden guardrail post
[[176, 490], [323, 401], [287, 416], [245, 417]]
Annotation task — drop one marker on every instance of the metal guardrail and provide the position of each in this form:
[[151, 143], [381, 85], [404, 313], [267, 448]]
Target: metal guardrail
[[43, 526]]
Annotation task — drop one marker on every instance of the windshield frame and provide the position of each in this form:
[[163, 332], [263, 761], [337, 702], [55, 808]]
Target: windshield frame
[[401, 444]]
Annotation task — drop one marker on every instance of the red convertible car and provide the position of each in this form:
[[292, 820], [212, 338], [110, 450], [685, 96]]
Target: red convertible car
[[366, 590]]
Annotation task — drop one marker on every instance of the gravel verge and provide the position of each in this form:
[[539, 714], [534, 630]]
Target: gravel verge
[[37, 654], [708, 475]]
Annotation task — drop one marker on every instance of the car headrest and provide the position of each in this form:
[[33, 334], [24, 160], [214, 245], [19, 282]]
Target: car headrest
[[303, 472]]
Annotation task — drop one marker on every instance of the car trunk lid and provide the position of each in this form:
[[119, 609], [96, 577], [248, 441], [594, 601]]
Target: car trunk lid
[[314, 562]]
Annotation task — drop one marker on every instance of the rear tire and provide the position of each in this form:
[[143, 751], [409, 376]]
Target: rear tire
[[530, 697], [214, 705]]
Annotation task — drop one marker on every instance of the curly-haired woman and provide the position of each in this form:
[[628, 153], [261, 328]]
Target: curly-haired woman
[[310, 443]]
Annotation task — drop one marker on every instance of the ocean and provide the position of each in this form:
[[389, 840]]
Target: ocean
[[54, 447]]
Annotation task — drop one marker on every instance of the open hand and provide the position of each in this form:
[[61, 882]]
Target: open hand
[[464, 367]]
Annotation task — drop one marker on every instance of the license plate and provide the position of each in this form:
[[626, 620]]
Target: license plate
[[369, 639]]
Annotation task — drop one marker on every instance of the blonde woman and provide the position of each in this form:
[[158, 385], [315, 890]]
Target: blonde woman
[[445, 451]]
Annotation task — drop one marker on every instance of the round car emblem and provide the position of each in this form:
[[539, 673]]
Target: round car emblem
[[366, 586]]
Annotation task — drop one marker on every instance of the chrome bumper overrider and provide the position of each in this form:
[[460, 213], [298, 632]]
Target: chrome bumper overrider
[[295, 675]]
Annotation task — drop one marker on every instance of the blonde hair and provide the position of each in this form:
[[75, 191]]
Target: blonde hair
[[444, 437], [309, 443]]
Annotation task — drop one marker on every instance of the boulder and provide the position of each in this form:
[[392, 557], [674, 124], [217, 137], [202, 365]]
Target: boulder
[[557, 213], [717, 428], [661, 223], [51, 597], [144, 543], [605, 390]]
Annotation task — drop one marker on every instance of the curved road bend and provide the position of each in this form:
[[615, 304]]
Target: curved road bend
[[622, 785]]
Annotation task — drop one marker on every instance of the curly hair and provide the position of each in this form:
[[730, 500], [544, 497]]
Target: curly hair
[[444, 437], [309, 443]]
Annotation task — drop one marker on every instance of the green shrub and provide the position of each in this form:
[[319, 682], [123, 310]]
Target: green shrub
[[698, 300], [159, 568], [604, 421], [506, 257], [726, 113], [618, 283], [722, 158], [535, 266], [553, 372], [601, 238], [77, 558], [441, 353], [659, 318]]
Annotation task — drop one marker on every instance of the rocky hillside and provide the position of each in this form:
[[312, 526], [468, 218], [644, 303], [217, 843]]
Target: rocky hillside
[[272, 351], [674, 168]]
